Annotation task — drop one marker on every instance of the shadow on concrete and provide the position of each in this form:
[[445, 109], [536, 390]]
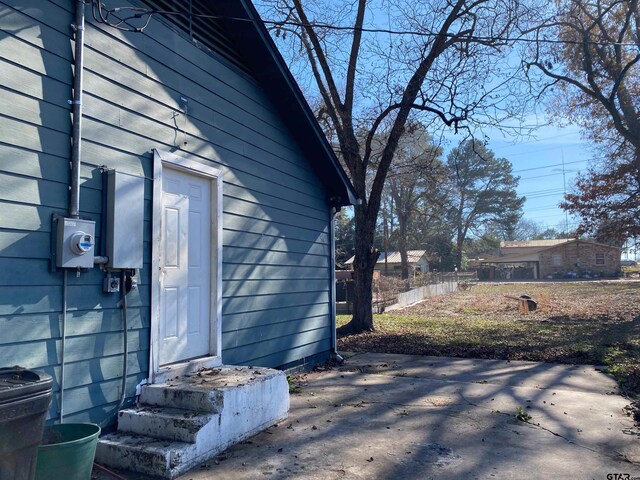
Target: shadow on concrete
[[400, 416]]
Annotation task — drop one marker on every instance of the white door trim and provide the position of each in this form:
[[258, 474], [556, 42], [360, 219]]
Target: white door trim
[[160, 159]]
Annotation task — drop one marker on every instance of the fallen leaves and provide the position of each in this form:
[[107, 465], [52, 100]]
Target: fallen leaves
[[576, 322]]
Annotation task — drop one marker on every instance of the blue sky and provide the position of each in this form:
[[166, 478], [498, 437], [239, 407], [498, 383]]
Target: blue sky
[[539, 164], [538, 161]]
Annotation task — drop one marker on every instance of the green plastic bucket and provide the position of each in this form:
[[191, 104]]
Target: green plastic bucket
[[67, 452]]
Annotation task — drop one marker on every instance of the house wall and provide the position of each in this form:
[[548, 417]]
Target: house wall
[[579, 257], [276, 254], [511, 257], [394, 268], [424, 265], [518, 250]]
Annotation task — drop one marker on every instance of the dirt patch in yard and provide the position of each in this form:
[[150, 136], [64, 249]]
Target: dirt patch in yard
[[606, 301], [576, 322]]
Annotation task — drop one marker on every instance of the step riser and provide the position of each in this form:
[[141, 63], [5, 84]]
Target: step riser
[[148, 460], [161, 426], [174, 397]]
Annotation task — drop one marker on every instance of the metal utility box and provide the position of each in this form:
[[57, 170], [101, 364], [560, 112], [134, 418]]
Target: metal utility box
[[125, 220], [75, 243]]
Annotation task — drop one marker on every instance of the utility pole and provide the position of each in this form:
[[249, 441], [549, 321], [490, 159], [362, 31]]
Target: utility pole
[[564, 189]]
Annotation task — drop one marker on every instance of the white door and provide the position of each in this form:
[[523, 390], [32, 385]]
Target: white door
[[185, 266]]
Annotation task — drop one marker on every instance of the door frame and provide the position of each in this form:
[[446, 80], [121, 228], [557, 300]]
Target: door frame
[[162, 159]]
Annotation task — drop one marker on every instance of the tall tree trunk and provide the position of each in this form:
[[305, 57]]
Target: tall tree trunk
[[402, 244], [459, 244], [459, 256], [460, 231], [386, 238], [363, 265]]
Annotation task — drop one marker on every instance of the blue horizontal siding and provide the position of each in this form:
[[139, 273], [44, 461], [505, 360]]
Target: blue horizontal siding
[[276, 245]]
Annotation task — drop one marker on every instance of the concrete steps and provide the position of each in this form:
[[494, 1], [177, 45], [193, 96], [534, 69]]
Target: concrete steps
[[189, 419]]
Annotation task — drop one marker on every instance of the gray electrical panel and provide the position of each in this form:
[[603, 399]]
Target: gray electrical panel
[[75, 243], [125, 220]]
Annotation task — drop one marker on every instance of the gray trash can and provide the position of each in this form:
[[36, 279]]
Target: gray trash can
[[25, 396]]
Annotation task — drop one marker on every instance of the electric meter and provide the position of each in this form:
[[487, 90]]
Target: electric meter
[[81, 243], [75, 243]]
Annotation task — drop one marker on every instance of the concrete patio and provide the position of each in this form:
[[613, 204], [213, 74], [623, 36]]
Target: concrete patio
[[399, 416]]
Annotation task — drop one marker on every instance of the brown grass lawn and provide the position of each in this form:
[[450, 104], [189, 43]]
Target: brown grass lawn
[[595, 322]]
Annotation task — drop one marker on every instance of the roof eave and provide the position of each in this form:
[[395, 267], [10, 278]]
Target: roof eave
[[262, 56]]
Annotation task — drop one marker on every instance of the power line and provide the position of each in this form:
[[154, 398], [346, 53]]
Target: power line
[[539, 176], [544, 190], [547, 207], [549, 217], [544, 193], [557, 218], [513, 145], [529, 152], [141, 13], [541, 197], [547, 166]]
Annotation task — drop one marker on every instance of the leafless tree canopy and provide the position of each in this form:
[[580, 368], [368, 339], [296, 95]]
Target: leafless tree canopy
[[443, 62], [592, 71], [593, 66]]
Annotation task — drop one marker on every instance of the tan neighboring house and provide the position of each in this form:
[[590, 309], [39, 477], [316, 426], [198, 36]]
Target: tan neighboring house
[[418, 262], [565, 258]]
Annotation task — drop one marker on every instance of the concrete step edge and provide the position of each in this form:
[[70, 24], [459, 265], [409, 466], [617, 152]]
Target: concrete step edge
[[179, 397], [163, 422], [143, 454]]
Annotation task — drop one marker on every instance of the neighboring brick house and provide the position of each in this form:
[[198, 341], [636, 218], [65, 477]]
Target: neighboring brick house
[[565, 258]]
